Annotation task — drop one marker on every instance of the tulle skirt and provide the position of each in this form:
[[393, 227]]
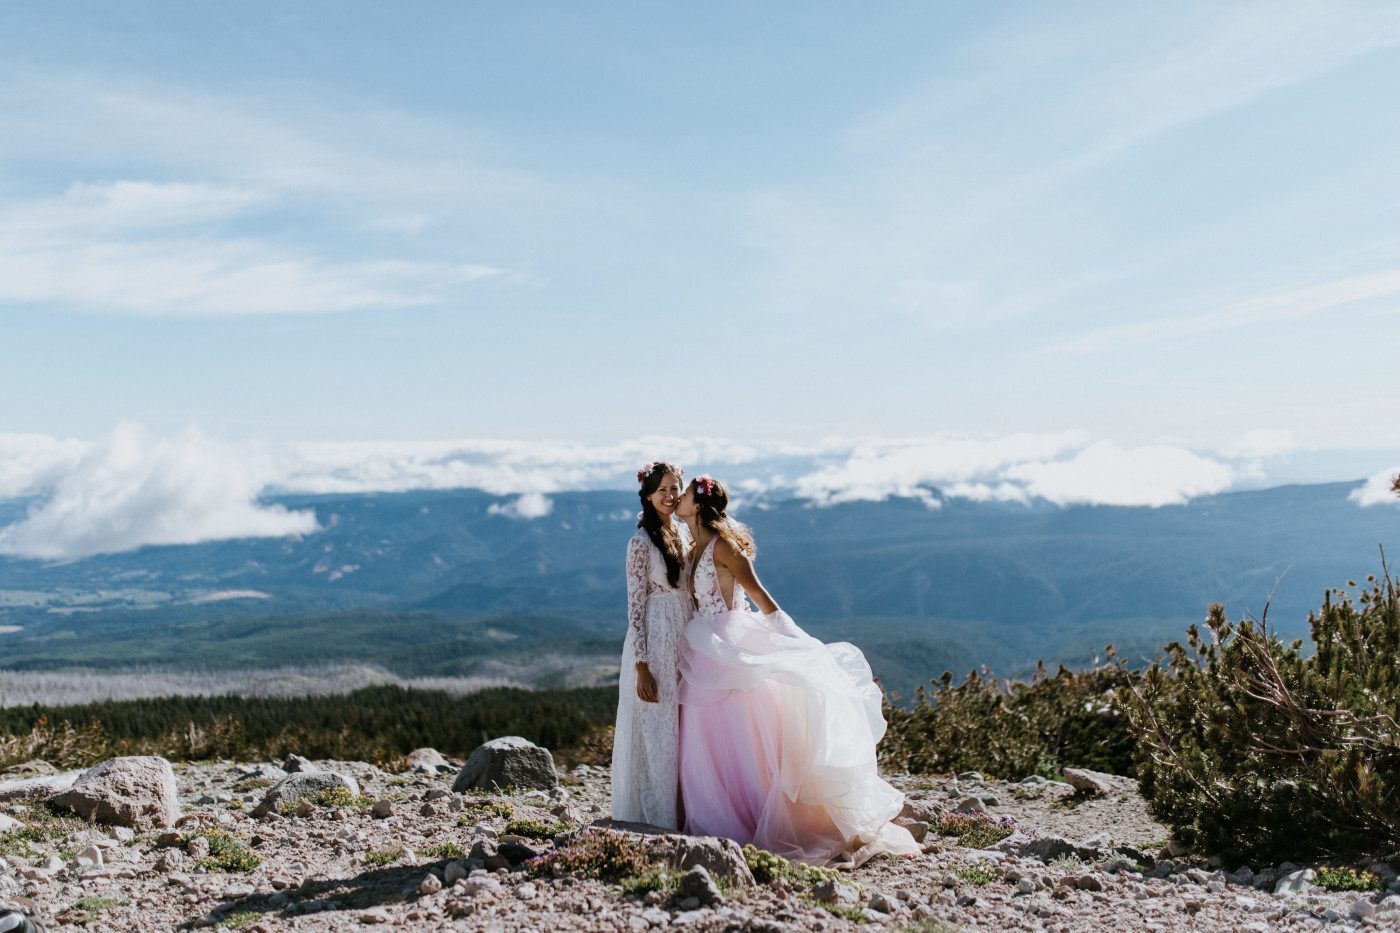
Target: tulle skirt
[[777, 742]]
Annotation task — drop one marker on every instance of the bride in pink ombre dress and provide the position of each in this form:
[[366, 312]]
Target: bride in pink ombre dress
[[777, 730]]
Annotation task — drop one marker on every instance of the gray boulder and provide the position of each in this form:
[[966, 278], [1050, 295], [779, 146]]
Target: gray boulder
[[137, 791], [428, 760], [1296, 882], [722, 858], [304, 785], [1097, 782], [37, 788], [507, 762], [32, 766]]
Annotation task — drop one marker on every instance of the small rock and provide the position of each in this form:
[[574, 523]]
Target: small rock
[[917, 828], [295, 764], [306, 785], [454, 872], [383, 807], [689, 904], [479, 884], [198, 847], [427, 810], [92, 855], [967, 900], [1364, 907], [971, 776], [431, 884], [834, 892], [1025, 886], [971, 805], [698, 884], [304, 809], [53, 863], [881, 903], [170, 860], [428, 760], [374, 915]]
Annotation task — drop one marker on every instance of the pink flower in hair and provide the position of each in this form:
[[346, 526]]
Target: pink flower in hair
[[644, 472], [705, 483]]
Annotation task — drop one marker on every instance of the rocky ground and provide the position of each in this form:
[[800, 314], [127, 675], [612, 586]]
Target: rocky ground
[[404, 850]]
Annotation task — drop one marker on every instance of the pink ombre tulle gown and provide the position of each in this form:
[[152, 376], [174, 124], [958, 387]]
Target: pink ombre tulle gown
[[778, 735]]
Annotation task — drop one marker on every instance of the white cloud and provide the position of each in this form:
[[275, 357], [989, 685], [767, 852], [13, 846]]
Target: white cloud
[[160, 249], [1106, 474], [30, 463], [530, 505], [1377, 489], [132, 489]]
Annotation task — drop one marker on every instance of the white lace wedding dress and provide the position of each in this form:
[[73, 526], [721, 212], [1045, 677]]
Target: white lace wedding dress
[[778, 735], [645, 743]]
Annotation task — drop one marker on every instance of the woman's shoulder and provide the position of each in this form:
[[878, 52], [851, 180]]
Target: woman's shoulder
[[640, 541]]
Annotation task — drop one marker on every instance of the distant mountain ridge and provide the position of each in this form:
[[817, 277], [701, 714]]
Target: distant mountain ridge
[[918, 588]]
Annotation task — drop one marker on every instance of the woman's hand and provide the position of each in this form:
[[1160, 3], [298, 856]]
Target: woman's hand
[[646, 683]]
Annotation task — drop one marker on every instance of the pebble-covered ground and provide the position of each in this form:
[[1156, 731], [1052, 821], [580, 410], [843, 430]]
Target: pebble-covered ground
[[346, 867]]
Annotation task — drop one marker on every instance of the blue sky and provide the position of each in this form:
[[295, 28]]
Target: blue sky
[[775, 224]]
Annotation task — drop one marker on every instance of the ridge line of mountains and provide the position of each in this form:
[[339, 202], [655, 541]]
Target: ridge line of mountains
[[438, 583]]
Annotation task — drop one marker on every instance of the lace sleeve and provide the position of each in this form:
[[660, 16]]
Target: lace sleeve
[[637, 571]]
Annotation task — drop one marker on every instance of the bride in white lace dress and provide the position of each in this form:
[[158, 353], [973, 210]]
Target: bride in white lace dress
[[778, 731], [645, 782]]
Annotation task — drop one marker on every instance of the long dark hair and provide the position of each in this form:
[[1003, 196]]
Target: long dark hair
[[711, 501], [663, 534]]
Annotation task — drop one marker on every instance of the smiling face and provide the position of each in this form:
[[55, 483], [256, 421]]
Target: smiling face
[[667, 495], [685, 508]]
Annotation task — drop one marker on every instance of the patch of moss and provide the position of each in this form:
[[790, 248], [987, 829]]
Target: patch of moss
[[227, 852], [535, 829], [381, 857], [446, 850]]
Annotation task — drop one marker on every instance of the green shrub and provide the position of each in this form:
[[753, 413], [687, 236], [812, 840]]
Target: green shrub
[[974, 874], [597, 853], [91, 907], [1346, 879], [1245, 741], [767, 865], [534, 829], [251, 784], [488, 807], [658, 879], [381, 857], [236, 920], [227, 852], [1073, 719], [446, 851], [975, 830]]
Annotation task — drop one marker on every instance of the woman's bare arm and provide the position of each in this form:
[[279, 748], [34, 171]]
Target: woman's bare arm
[[741, 568]]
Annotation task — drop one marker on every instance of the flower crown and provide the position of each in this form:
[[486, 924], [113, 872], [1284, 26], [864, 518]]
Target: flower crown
[[705, 483], [646, 471]]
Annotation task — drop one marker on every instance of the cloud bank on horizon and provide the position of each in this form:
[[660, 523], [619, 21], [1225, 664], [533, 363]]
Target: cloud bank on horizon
[[133, 489]]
